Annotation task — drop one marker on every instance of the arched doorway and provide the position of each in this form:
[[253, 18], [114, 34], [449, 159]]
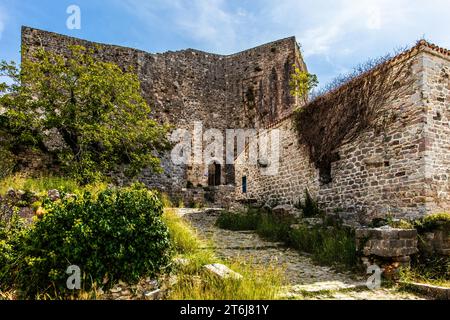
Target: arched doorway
[[214, 174]]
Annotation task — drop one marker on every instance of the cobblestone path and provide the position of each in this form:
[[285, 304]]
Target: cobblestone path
[[306, 279]]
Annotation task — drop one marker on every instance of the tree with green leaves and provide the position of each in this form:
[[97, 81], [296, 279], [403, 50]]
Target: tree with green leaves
[[94, 108], [302, 82]]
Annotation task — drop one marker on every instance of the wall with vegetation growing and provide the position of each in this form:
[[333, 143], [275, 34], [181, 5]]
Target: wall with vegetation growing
[[373, 147], [244, 90]]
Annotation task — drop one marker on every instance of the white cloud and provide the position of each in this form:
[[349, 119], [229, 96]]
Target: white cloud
[[335, 35], [374, 21], [203, 21], [321, 26], [326, 27], [206, 20]]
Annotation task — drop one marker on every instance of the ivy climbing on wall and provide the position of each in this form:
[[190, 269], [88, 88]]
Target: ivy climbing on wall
[[348, 106]]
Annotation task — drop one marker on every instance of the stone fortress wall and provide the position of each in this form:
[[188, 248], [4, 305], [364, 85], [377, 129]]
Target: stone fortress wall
[[244, 90], [401, 171]]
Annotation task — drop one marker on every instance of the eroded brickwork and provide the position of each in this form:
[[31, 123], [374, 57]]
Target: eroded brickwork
[[382, 172], [401, 171], [436, 142], [244, 90], [295, 174]]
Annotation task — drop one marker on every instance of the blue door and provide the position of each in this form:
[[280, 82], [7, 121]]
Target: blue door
[[244, 184]]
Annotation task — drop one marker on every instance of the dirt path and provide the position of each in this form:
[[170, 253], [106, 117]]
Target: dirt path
[[306, 279]]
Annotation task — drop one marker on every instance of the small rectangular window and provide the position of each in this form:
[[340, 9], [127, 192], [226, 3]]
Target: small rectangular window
[[244, 184]]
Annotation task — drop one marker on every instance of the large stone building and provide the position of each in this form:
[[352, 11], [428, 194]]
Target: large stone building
[[247, 89], [402, 169]]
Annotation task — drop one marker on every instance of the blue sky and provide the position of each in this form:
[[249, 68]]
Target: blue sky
[[335, 34]]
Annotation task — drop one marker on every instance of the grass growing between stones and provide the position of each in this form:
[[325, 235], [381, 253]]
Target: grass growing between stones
[[409, 275], [45, 183], [194, 283], [274, 229], [429, 268], [182, 235], [328, 245], [240, 221], [187, 244], [258, 283], [93, 293], [434, 271]]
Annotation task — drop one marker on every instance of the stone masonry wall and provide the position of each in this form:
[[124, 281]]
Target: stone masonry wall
[[246, 89], [295, 174], [382, 173], [401, 171], [436, 100]]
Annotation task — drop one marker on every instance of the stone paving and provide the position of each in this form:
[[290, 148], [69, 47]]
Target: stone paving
[[306, 279]]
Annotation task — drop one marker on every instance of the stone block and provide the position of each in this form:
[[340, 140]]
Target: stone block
[[53, 195], [385, 242], [313, 221], [222, 271], [436, 242], [407, 234], [153, 295], [286, 211]]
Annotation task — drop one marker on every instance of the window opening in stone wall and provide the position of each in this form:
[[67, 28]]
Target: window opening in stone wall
[[244, 184], [325, 176]]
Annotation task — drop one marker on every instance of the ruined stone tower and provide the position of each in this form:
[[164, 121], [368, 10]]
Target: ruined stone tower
[[249, 89]]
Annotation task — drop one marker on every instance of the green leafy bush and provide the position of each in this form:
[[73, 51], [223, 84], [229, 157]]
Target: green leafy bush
[[118, 234], [258, 283], [240, 221], [12, 232], [44, 183], [434, 221], [103, 122], [274, 228]]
